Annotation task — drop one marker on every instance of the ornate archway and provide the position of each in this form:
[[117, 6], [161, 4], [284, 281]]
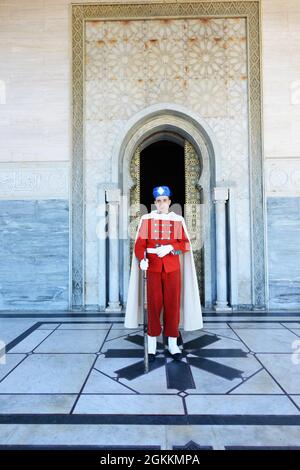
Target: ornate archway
[[200, 148], [250, 11], [192, 203]]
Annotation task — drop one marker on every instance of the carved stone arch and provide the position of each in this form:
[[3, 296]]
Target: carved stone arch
[[200, 149], [250, 10], [193, 197]]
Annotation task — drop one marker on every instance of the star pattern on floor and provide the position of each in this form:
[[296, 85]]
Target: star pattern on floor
[[179, 374]]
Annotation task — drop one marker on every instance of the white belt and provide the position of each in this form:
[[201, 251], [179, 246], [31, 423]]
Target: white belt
[[151, 250]]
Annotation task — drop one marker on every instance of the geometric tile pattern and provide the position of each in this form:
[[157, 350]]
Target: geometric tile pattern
[[200, 63], [197, 70], [94, 368], [238, 380]]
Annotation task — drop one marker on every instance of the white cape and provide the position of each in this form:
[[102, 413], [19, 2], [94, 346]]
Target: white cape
[[190, 307]]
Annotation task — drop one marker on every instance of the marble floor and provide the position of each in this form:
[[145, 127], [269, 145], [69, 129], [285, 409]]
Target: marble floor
[[78, 380]]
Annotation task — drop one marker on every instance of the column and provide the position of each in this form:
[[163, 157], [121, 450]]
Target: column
[[113, 200], [101, 236], [220, 199]]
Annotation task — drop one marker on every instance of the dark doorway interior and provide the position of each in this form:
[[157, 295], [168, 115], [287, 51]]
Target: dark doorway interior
[[162, 164]]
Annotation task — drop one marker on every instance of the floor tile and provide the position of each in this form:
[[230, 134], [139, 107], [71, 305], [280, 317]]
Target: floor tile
[[256, 325], [240, 405], [31, 342], [272, 340], [48, 326], [49, 373], [11, 360], [85, 326], [36, 404], [296, 399], [100, 383], [261, 382], [83, 435], [129, 404], [73, 341], [282, 368]]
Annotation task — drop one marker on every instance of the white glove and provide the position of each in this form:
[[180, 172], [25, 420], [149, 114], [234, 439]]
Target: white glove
[[144, 264], [164, 250]]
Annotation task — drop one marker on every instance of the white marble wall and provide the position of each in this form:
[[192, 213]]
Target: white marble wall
[[35, 99], [32, 180], [35, 58], [35, 79], [281, 95]]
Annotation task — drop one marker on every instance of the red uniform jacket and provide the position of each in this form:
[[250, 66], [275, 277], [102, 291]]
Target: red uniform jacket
[[154, 232]]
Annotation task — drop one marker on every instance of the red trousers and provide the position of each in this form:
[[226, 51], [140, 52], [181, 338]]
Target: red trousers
[[163, 290]]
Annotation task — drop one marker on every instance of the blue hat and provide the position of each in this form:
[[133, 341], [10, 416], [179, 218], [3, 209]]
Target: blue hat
[[161, 191]]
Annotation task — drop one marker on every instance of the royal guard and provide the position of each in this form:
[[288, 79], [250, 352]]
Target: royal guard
[[171, 276]]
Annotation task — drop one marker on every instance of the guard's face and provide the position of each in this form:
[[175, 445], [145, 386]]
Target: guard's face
[[162, 204]]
